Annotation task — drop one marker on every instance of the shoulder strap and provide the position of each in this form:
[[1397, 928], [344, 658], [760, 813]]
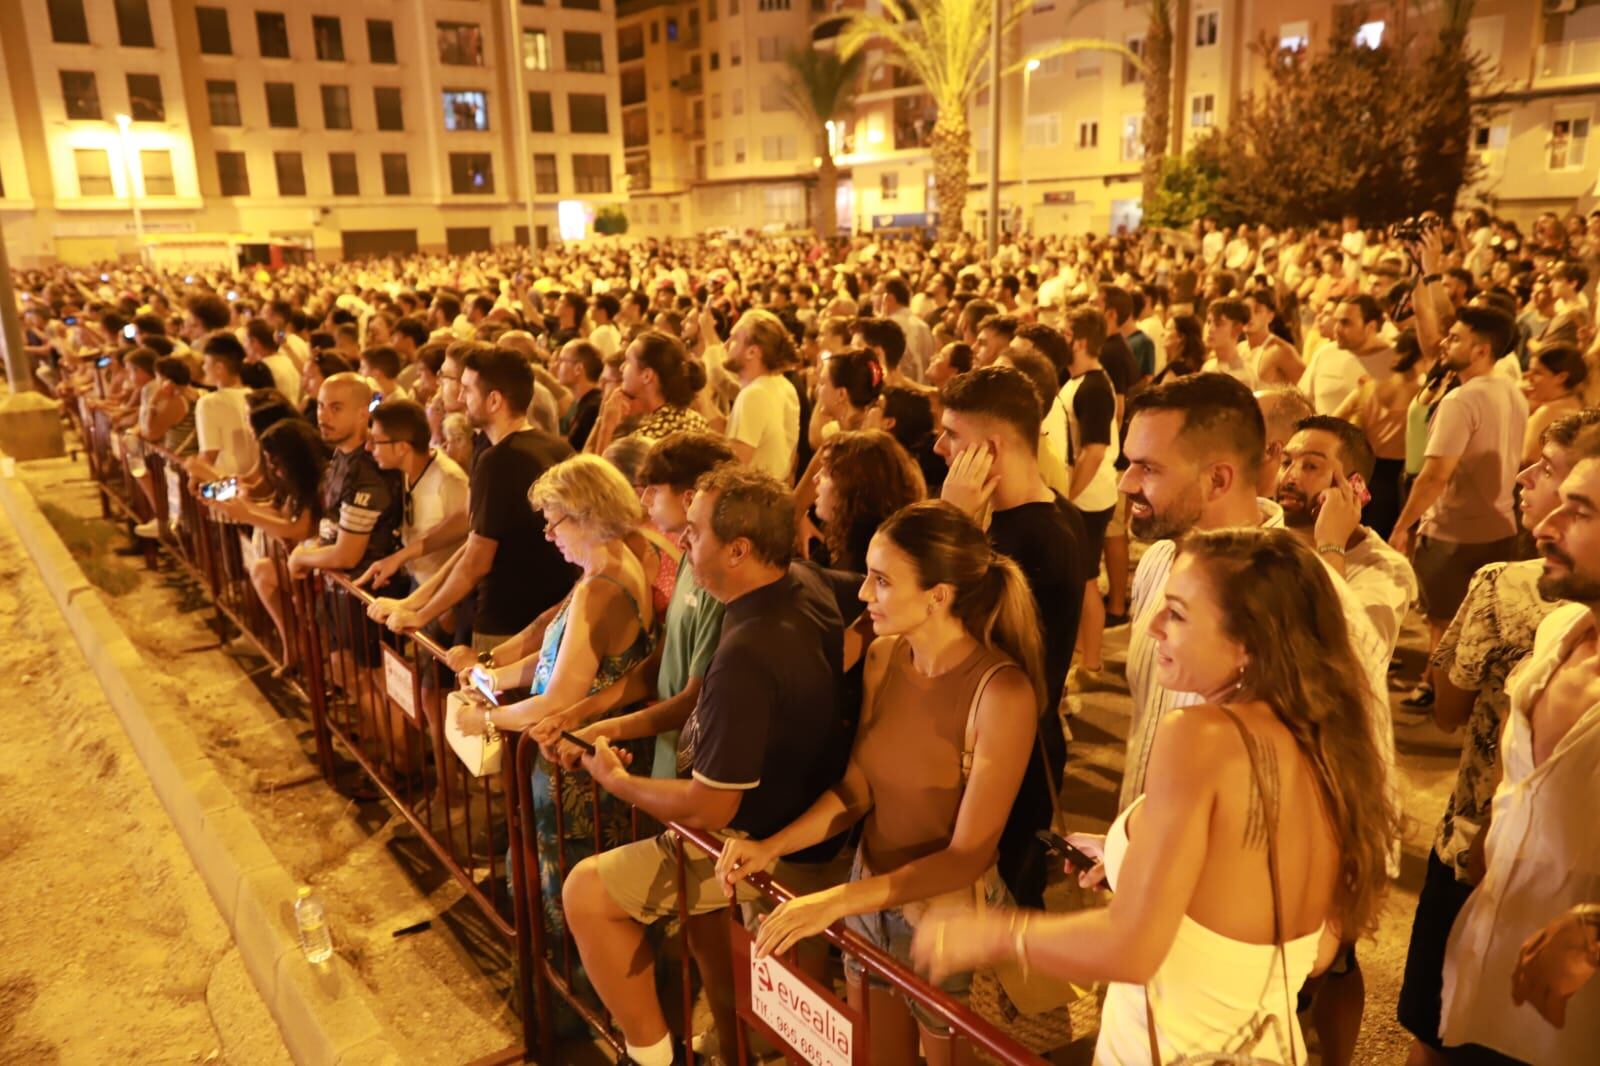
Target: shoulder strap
[[632, 600], [968, 736]]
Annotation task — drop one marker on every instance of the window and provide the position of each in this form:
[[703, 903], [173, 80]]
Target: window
[[735, 49], [716, 154], [581, 5], [80, 93], [716, 59], [145, 103], [328, 32], [336, 107], [736, 102], [546, 180], [772, 5], [466, 109], [133, 24], [1205, 29], [716, 105], [1569, 140], [1088, 134], [584, 51], [1369, 35], [733, 7], [738, 142], [396, 174], [212, 23], [776, 149], [536, 50], [386, 101], [291, 173], [68, 24], [711, 10], [672, 29], [155, 172], [281, 111], [1130, 70], [1042, 131], [889, 185], [1293, 36], [342, 169], [1132, 138], [591, 173], [586, 113], [380, 41], [1088, 65], [272, 31], [769, 49], [223, 97], [541, 116], [772, 98], [460, 44], [471, 173], [633, 87], [1203, 111], [630, 43], [94, 171], [233, 174]]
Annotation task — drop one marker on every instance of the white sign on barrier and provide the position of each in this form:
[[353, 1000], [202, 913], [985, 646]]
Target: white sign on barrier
[[802, 1017], [397, 680]]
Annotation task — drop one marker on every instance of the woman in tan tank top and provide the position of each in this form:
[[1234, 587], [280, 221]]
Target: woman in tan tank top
[[954, 685]]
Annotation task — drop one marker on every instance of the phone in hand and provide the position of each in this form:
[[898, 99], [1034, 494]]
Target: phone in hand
[[1058, 845], [573, 738], [103, 362], [221, 490], [484, 683], [130, 331]]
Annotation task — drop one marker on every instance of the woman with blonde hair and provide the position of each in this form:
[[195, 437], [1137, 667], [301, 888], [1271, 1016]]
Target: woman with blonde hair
[[954, 686], [602, 628], [1261, 839]]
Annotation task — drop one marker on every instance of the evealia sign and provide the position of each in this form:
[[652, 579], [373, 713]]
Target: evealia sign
[[800, 1016]]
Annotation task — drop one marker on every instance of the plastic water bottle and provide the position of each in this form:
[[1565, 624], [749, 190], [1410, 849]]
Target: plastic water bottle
[[313, 923]]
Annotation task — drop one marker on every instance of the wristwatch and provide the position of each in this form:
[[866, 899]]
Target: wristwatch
[[1330, 549], [1429, 279], [486, 658], [1589, 915]]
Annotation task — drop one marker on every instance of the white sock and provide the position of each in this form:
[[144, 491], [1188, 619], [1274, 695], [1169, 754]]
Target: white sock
[[657, 1054]]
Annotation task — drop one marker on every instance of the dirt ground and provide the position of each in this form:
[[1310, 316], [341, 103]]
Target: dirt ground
[[111, 949]]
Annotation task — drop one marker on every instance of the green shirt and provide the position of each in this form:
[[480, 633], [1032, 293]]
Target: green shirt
[[693, 628]]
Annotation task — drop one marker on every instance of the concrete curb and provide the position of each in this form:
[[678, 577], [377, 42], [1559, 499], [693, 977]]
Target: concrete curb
[[321, 1011]]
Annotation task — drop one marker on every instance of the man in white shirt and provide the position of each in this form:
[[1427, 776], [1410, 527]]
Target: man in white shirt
[[896, 306], [1333, 373], [764, 425], [1541, 853], [1226, 320], [221, 417], [261, 346], [605, 336]]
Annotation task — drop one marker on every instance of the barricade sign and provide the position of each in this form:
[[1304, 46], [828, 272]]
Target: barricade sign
[[792, 1009], [399, 681]]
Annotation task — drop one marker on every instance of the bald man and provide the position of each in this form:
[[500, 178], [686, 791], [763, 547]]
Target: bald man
[[1283, 406]]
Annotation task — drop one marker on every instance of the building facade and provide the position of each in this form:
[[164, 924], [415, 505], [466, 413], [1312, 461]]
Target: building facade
[[343, 128]]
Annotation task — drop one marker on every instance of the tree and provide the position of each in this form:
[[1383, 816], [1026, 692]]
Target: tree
[[610, 221], [1156, 135], [819, 86], [1445, 163], [945, 45], [1191, 186]]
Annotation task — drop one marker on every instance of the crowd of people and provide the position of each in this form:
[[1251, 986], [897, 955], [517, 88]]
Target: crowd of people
[[815, 545]]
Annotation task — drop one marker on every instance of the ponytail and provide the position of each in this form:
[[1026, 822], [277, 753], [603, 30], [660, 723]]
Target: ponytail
[[1000, 612]]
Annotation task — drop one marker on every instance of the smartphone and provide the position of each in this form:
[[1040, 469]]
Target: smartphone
[[1057, 845], [377, 398], [103, 362], [188, 279], [71, 320], [130, 331], [484, 683], [105, 277], [584, 745], [227, 489], [232, 295]]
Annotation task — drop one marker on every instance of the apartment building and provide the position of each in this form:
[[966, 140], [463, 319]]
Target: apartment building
[[343, 127]]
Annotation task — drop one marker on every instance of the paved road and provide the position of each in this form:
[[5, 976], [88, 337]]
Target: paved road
[[110, 947]]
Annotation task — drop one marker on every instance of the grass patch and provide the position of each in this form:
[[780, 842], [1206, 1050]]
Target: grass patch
[[90, 542]]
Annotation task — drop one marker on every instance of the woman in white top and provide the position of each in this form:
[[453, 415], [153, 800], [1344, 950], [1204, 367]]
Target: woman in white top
[[1266, 821]]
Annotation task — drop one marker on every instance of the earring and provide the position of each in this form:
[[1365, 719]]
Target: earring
[[1238, 681]]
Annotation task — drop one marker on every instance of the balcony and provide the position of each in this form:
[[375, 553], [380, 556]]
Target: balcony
[[1569, 60], [688, 83]]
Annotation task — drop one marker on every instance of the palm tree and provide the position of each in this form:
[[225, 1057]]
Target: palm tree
[[820, 86], [1157, 132], [945, 45]]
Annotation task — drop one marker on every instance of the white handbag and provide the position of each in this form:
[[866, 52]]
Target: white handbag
[[480, 754]]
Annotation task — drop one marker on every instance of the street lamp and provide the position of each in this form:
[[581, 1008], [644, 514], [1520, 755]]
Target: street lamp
[[128, 164], [1027, 82]]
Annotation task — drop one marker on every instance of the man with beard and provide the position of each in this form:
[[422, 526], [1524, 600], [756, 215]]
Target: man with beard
[[517, 571], [1326, 465], [1540, 851], [1492, 631]]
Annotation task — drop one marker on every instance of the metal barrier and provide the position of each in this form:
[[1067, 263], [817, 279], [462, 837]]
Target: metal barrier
[[378, 699]]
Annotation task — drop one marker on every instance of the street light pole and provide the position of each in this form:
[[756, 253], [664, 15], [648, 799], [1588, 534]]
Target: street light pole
[[123, 122], [1027, 83], [994, 133], [18, 370]]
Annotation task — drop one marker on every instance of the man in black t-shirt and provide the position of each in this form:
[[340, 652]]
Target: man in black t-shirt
[[771, 732], [990, 437], [578, 368], [518, 573]]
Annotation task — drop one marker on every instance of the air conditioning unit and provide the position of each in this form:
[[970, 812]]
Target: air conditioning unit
[[1560, 7]]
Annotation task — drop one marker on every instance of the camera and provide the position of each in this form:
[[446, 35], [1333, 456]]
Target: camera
[[1412, 229]]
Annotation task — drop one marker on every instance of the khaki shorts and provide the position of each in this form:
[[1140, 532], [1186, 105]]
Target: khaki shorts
[[1118, 526], [642, 878]]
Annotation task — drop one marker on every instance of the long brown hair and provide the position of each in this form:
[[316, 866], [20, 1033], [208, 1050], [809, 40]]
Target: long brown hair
[[992, 597], [873, 477], [1278, 601]]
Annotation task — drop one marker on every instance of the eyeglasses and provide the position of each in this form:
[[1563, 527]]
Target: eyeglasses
[[550, 529]]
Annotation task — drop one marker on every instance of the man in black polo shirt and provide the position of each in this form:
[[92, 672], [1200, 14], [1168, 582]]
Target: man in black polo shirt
[[989, 434], [518, 573], [769, 735]]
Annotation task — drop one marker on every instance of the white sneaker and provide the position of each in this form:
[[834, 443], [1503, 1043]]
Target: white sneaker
[[148, 530]]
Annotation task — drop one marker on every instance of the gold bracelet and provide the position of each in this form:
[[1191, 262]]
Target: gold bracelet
[[1588, 915], [1019, 940], [489, 730]]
